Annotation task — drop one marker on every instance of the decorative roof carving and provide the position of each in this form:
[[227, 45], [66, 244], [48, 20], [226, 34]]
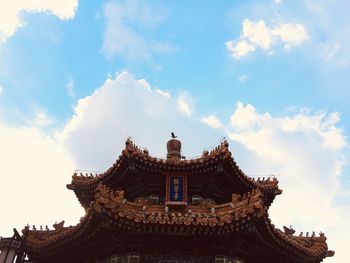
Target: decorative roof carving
[[211, 215], [244, 213], [288, 231], [59, 226]]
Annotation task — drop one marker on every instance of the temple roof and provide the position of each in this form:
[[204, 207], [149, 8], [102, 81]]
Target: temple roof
[[243, 214], [132, 158], [233, 212]]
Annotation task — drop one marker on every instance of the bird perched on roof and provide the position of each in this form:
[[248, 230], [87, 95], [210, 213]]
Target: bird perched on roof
[[173, 135]]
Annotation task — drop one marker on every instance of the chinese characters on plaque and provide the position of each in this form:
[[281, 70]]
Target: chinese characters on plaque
[[176, 189]]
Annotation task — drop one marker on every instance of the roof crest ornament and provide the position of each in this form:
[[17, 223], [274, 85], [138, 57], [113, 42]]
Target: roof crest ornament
[[173, 148]]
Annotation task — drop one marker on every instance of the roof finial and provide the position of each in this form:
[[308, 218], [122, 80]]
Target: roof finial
[[174, 148]]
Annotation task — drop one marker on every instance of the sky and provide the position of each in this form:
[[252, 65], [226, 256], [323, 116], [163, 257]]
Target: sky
[[78, 78]]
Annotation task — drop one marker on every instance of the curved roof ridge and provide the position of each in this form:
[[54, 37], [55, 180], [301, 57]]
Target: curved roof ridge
[[313, 247], [132, 148], [268, 185], [37, 241], [134, 151]]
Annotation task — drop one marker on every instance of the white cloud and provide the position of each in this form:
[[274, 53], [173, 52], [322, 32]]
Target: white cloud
[[34, 171], [124, 107], [307, 151], [257, 35], [184, 107], [10, 13], [290, 34], [278, 1], [124, 23], [212, 121], [1, 89], [163, 93], [245, 117], [239, 49]]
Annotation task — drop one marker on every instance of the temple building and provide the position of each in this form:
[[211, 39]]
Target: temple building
[[173, 210]]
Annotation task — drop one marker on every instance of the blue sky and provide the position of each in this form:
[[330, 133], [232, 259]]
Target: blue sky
[[47, 52], [272, 76]]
